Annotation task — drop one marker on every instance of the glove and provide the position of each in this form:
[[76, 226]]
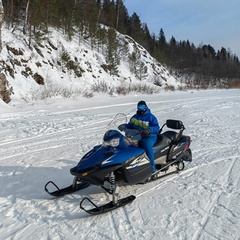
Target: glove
[[145, 133]]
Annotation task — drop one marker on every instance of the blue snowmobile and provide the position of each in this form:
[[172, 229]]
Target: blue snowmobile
[[120, 161]]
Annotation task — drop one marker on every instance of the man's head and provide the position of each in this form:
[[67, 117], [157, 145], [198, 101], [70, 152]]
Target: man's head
[[141, 107]]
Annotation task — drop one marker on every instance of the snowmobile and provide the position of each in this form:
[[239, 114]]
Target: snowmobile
[[120, 161]]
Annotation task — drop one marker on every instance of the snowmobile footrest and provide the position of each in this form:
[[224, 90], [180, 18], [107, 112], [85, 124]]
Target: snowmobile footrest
[[107, 207], [67, 190]]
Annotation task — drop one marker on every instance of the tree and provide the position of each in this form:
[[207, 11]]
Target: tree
[[149, 43], [122, 17], [172, 51], [137, 66], [112, 56], [107, 16], [162, 46], [222, 55], [1, 19], [135, 28], [208, 51], [13, 12], [162, 39]]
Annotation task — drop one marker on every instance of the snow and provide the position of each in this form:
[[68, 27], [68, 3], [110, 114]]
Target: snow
[[42, 141], [45, 60]]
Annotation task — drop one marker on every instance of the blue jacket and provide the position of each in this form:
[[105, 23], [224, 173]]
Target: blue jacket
[[145, 121]]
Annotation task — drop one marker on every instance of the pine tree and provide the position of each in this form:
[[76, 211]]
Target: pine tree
[[162, 39], [135, 28], [107, 16], [112, 56], [162, 45], [122, 17]]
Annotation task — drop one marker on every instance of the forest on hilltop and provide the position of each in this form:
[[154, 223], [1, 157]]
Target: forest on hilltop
[[86, 18]]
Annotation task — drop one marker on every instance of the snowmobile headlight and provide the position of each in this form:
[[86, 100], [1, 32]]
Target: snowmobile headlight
[[112, 143]]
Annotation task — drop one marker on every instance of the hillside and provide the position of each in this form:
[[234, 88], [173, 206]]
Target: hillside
[[54, 66]]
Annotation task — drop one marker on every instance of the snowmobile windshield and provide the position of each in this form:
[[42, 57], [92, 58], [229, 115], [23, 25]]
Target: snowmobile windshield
[[118, 119], [113, 138]]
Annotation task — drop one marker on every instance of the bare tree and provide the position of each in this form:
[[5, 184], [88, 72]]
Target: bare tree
[[1, 19], [26, 22]]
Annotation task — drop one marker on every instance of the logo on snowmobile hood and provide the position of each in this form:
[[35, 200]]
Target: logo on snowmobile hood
[[108, 160], [141, 160]]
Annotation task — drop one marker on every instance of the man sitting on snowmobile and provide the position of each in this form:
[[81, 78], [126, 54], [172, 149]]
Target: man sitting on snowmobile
[[147, 124]]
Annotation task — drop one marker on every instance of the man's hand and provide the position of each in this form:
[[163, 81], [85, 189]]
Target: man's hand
[[122, 127], [145, 133]]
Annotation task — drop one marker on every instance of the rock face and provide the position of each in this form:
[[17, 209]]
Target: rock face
[[4, 92]]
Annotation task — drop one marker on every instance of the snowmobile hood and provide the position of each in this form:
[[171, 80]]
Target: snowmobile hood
[[102, 157]]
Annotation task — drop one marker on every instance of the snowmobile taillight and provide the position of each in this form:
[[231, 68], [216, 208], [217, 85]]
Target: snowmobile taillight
[[185, 147], [85, 174]]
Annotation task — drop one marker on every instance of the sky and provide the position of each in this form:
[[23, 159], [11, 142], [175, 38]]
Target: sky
[[214, 22]]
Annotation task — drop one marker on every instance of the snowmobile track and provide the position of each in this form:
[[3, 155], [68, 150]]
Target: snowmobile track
[[214, 199]]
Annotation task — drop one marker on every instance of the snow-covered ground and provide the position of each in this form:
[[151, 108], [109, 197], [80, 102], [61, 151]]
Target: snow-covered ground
[[42, 142]]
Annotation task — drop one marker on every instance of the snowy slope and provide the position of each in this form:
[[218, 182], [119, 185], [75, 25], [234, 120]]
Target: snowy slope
[[20, 63], [42, 142]]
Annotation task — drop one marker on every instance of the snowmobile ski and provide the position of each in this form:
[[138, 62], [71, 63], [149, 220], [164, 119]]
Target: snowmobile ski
[[107, 207], [67, 190]]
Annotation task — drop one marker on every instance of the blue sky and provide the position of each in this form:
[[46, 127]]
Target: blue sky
[[214, 22]]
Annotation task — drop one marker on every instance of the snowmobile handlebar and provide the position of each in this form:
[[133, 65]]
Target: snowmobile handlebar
[[132, 134]]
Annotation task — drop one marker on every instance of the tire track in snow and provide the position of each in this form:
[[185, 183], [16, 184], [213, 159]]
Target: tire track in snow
[[56, 139], [209, 207], [185, 173], [122, 222], [41, 143], [115, 225]]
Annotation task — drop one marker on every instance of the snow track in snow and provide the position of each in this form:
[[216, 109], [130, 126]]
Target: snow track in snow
[[41, 143], [212, 206]]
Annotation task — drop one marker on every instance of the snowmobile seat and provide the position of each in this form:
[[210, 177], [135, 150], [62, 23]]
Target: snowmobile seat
[[165, 139], [171, 134]]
